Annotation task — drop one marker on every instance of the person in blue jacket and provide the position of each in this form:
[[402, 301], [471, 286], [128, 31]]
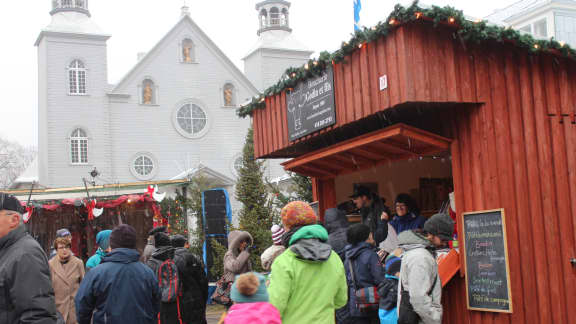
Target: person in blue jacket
[[121, 289], [407, 216], [363, 270], [388, 291], [103, 241]]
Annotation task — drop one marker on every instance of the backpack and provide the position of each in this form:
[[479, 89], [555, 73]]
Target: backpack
[[169, 281]]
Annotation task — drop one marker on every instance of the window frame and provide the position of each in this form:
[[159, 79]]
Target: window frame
[[72, 147], [234, 94], [76, 70], [153, 160], [155, 94], [183, 132]]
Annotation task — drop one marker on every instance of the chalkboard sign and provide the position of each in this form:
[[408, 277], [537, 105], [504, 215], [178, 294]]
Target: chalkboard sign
[[310, 106], [486, 255]]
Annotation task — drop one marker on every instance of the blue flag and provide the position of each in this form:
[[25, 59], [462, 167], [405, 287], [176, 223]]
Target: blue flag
[[357, 8]]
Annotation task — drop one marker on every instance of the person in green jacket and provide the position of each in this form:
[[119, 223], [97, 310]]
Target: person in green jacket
[[307, 282], [103, 242]]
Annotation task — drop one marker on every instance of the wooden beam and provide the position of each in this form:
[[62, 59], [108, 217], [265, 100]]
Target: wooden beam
[[312, 171], [373, 155]]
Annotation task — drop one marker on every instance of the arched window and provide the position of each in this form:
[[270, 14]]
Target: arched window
[[77, 78], [263, 18], [143, 166], [78, 147], [67, 3], [274, 16], [284, 17], [149, 95], [188, 55], [229, 95], [191, 120]]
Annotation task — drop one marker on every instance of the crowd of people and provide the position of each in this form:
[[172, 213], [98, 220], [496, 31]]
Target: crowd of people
[[382, 270]]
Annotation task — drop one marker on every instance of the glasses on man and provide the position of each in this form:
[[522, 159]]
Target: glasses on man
[[63, 248], [401, 206]]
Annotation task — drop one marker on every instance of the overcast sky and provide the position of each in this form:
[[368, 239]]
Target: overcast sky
[[136, 26]]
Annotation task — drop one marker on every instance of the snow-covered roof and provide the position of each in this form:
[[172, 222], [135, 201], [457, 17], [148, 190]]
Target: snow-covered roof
[[204, 170], [29, 175], [71, 22], [279, 40]]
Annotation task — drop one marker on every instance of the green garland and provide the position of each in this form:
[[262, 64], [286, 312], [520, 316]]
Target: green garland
[[469, 31]]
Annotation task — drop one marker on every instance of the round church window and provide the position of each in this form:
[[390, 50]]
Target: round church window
[[191, 120]]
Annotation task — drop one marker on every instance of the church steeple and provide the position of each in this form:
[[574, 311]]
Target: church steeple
[[80, 6], [273, 15]]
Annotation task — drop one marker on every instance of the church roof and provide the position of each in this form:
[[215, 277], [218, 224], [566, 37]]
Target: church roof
[[278, 40], [71, 22], [186, 19]]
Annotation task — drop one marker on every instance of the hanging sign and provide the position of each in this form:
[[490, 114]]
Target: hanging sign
[[310, 106], [486, 255]]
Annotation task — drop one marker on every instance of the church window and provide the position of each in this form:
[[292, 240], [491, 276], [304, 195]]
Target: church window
[[77, 78], [274, 16], [188, 55], [263, 18], [67, 3], [229, 95], [143, 166], [149, 92], [191, 119], [79, 147]]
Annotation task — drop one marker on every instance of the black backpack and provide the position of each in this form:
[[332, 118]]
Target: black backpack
[[169, 281]]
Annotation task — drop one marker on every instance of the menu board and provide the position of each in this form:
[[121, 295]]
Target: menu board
[[486, 255], [310, 107]]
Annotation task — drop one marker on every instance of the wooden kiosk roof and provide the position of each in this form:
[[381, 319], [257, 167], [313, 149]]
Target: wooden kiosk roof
[[396, 142]]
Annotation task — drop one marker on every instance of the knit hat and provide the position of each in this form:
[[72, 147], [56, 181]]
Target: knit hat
[[277, 233], [440, 225], [162, 239], [249, 288], [9, 202], [298, 213], [103, 239], [123, 236], [178, 240], [63, 232], [159, 229], [393, 265]]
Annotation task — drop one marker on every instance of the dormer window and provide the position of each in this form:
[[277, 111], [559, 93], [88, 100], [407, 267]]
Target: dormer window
[[187, 52]]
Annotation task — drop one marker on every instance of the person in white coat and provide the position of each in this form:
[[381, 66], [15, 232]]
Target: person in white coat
[[420, 288]]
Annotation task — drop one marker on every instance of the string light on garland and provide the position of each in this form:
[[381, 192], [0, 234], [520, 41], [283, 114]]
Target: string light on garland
[[477, 31], [306, 66]]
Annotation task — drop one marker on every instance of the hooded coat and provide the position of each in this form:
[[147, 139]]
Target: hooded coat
[[119, 290], [194, 286], [368, 272], [66, 279], [336, 223], [419, 277], [236, 262], [26, 293], [308, 283]]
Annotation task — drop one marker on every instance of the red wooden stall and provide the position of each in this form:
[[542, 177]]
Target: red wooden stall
[[508, 119]]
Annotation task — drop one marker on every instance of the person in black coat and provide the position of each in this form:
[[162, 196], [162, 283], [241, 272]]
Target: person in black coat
[[26, 294], [169, 311], [363, 270], [373, 211], [194, 282], [336, 223]]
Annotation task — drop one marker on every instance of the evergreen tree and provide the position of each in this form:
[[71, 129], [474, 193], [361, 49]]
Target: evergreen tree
[[256, 215]]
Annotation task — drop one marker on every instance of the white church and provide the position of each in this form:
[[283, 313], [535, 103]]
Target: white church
[[173, 114]]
